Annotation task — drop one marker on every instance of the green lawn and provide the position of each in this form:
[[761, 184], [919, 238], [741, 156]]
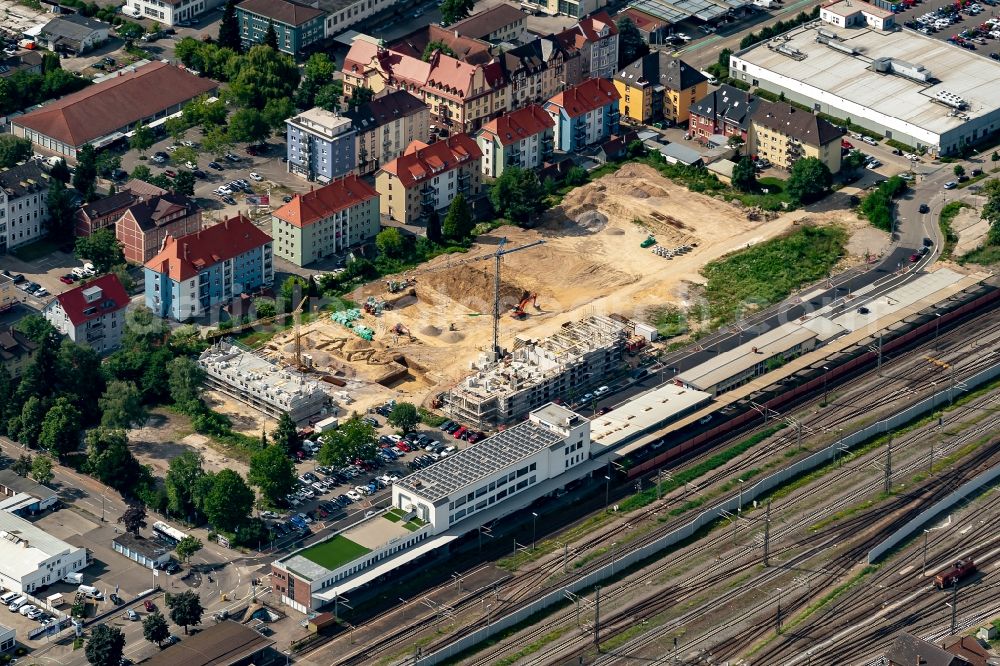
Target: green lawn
[[768, 272], [35, 251], [334, 553]]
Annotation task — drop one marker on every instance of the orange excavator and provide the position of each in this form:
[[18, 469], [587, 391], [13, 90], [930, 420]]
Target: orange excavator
[[518, 312]]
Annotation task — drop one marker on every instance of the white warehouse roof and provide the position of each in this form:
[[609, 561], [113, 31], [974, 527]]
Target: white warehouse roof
[[643, 412]]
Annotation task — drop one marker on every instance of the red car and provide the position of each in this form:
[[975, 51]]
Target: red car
[[403, 446], [66, 279], [149, 606], [171, 173], [474, 437], [844, 143], [914, 258], [458, 433]]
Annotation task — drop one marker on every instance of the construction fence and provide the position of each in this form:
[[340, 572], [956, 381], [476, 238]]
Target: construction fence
[[724, 509]]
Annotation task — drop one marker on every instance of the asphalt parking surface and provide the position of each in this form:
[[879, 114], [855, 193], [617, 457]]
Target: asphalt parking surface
[[968, 21]]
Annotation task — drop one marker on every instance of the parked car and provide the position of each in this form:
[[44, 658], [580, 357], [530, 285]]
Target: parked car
[[256, 176], [149, 606], [950, 185], [229, 200], [67, 279], [131, 615], [215, 165], [115, 599], [924, 208]]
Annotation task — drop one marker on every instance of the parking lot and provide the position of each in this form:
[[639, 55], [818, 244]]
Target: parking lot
[[941, 20]]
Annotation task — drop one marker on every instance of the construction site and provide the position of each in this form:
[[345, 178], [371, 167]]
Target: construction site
[[458, 330]]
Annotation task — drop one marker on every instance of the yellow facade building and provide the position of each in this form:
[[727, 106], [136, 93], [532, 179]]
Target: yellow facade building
[[784, 134], [658, 87]]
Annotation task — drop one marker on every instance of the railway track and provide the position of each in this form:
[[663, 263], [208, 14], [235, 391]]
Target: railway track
[[903, 378]]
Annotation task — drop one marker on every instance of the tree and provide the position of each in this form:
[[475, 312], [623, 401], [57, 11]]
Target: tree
[[458, 223], [184, 378], [576, 176], [32, 415], [995, 157], [809, 180], [50, 62], [130, 31], [353, 439], [133, 518], [744, 175], [201, 111], [110, 461], [216, 140], [107, 163], [853, 160], [155, 628], [277, 111], [317, 73], [141, 172], [229, 502], [959, 171], [85, 178], [328, 97], [518, 194], [23, 465], [286, 435], [631, 45], [13, 150], [60, 172], [121, 406], [41, 469], [271, 470], [736, 143], [434, 46], [248, 126], [360, 95], [723, 60], [184, 182], [229, 28], [271, 37], [185, 609], [184, 154], [263, 74], [434, 227], [404, 416], [455, 10], [391, 243], [990, 212], [106, 645], [264, 308], [61, 428], [187, 547], [102, 249], [142, 138], [60, 203], [180, 481]]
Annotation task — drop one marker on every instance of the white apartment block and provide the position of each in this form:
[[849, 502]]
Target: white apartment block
[[169, 12], [23, 205]]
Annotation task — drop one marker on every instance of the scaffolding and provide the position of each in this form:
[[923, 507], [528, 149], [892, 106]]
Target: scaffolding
[[265, 386], [562, 366]]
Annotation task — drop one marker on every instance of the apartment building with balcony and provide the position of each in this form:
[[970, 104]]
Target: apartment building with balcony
[[320, 145], [658, 86], [726, 111], [426, 178], [385, 126], [326, 221], [539, 69], [596, 37], [298, 26], [584, 114], [23, 204], [784, 134], [193, 274], [92, 314], [524, 138]]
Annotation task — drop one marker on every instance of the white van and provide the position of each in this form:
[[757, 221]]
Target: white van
[[15, 605], [9, 597], [711, 77], [91, 591]]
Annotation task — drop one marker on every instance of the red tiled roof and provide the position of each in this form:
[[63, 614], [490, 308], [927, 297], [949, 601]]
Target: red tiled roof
[[110, 105], [585, 97], [421, 162], [642, 20], [182, 258], [305, 209], [594, 23], [113, 298], [512, 127]]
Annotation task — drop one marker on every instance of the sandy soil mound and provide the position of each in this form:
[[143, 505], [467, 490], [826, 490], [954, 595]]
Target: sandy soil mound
[[615, 231], [357, 345], [473, 288], [431, 330], [592, 220], [452, 337]]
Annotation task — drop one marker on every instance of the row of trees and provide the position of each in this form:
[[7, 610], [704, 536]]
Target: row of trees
[[106, 645], [23, 89], [877, 206]]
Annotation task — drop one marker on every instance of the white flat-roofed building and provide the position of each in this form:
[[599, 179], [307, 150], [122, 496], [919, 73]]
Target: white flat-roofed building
[[643, 413], [852, 13], [31, 558], [921, 91], [552, 440], [738, 366]]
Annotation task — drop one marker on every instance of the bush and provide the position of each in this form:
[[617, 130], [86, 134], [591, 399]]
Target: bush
[[877, 206]]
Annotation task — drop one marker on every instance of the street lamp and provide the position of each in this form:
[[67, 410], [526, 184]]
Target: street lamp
[[607, 492], [739, 507], [826, 400], [937, 329], [534, 523]]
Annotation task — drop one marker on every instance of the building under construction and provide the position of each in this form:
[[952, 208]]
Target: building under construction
[[564, 366], [266, 387]]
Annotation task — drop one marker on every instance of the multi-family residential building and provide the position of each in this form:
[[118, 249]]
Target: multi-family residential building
[[386, 125], [92, 314], [343, 14], [574, 8], [169, 12], [522, 138], [145, 225], [298, 27], [584, 114], [16, 350], [539, 69], [596, 37], [102, 213], [105, 111], [498, 24], [652, 28], [326, 221], [29, 62], [320, 145], [658, 86], [461, 96], [9, 294], [73, 33], [425, 178], [726, 111], [194, 273], [467, 49], [784, 134], [23, 204]]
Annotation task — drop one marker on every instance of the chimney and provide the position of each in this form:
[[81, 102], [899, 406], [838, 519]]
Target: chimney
[[185, 251]]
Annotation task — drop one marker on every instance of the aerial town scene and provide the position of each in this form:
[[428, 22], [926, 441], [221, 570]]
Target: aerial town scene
[[500, 332]]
